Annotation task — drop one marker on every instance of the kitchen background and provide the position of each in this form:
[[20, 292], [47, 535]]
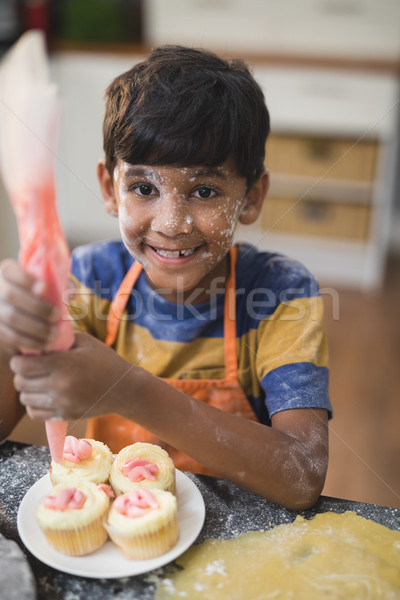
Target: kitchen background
[[330, 72]]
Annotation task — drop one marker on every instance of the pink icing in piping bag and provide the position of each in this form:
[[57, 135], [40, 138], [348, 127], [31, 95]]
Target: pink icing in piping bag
[[56, 432], [29, 114]]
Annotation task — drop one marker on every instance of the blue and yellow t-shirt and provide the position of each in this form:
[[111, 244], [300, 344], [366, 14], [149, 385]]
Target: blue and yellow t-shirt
[[281, 345]]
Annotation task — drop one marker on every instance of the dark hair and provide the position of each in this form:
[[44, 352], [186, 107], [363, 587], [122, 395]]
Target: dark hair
[[185, 106]]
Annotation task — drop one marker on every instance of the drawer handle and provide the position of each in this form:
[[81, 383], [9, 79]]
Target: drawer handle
[[314, 210], [318, 150]]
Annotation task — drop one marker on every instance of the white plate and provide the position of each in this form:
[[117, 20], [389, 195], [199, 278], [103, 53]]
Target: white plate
[[108, 562]]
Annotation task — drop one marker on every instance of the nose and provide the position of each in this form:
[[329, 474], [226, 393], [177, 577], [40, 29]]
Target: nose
[[172, 217]]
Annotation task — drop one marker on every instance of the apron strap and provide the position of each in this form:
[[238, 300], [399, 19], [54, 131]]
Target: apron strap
[[231, 366], [121, 298]]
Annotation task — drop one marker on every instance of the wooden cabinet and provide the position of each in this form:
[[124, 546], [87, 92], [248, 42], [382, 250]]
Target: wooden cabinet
[[332, 158], [322, 28], [324, 157], [320, 186], [317, 217]]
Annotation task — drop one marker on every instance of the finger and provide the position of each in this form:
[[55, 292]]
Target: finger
[[29, 386], [31, 367], [11, 271], [13, 341], [83, 340], [26, 302], [19, 289], [42, 402], [42, 406], [39, 406], [18, 328]]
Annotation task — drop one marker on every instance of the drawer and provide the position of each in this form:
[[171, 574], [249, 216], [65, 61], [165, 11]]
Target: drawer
[[316, 217], [322, 157]]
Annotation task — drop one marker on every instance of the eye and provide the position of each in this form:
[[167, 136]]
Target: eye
[[144, 189], [205, 192]]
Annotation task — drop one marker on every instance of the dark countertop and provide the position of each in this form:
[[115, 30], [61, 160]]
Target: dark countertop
[[230, 510]]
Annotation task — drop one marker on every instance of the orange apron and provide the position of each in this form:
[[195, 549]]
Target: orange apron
[[225, 394]]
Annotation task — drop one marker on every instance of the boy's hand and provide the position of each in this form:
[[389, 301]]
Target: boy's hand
[[26, 319], [83, 382]]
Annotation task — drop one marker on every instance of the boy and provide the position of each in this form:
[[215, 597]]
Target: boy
[[213, 351]]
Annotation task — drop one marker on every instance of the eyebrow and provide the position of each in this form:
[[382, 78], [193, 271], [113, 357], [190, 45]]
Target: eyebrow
[[137, 171], [208, 172]]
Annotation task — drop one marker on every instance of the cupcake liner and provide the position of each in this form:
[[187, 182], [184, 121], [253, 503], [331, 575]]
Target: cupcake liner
[[78, 541], [146, 545]]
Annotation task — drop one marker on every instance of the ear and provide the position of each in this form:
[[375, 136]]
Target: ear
[[107, 189], [254, 200]]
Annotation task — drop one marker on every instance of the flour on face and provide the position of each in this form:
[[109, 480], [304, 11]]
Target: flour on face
[[179, 222]]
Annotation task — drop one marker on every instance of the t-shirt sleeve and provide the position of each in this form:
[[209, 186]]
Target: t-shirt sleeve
[[89, 298], [80, 302], [292, 354]]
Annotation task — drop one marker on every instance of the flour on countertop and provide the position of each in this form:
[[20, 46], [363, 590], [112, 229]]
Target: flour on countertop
[[217, 566]]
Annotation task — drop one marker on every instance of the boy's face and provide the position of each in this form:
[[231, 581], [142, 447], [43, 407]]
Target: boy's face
[[179, 222]]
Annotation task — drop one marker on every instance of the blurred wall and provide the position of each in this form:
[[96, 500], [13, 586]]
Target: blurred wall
[[339, 28], [8, 227], [394, 244]]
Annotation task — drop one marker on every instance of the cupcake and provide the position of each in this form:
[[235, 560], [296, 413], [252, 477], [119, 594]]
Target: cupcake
[[142, 465], [143, 524], [82, 459], [72, 516]]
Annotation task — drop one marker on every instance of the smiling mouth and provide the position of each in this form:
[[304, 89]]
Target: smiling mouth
[[174, 253]]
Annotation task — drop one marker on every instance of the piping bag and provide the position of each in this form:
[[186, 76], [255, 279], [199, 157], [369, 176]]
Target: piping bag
[[29, 117]]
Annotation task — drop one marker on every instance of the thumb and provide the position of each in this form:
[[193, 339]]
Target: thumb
[[83, 340]]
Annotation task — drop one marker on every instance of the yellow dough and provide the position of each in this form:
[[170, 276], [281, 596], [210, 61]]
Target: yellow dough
[[332, 556]]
